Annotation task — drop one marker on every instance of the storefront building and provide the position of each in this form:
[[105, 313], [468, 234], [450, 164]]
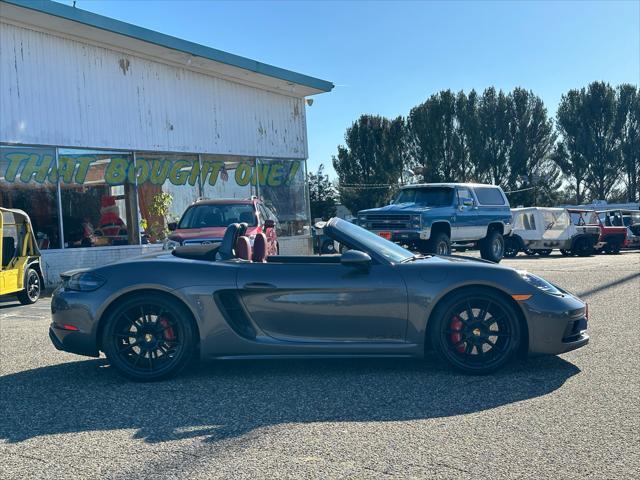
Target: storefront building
[[109, 131]]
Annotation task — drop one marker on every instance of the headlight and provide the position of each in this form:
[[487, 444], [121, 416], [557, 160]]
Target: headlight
[[84, 282], [170, 244], [539, 283], [415, 220]]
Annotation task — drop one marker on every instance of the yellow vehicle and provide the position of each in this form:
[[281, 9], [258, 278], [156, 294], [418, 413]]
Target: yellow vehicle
[[20, 269]]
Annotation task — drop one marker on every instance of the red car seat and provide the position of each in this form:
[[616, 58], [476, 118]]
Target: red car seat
[[243, 248], [260, 248]]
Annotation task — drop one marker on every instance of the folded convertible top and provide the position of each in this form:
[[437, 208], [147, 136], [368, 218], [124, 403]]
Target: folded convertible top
[[197, 252]]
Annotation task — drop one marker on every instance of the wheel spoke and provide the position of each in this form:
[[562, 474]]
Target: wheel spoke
[[491, 320], [483, 313], [470, 315], [129, 347]]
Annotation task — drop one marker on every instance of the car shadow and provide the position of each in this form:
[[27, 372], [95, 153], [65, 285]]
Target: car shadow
[[226, 399]]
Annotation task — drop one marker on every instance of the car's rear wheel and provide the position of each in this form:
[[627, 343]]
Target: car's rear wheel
[[511, 247], [492, 247], [149, 337], [32, 288], [583, 247], [477, 332]]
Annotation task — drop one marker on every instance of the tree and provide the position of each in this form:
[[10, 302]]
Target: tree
[[628, 126], [568, 153], [370, 164], [492, 159], [532, 139], [590, 152], [322, 195], [435, 132]]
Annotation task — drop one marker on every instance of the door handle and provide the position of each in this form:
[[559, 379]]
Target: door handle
[[259, 286]]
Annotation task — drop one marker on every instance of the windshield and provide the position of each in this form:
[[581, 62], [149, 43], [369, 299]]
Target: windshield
[[631, 218], [207, 216], [371, 242], [428, 197]]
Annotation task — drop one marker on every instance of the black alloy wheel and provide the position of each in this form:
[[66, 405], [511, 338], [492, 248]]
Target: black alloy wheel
[[32, 288], [149, 337], [477, 333]]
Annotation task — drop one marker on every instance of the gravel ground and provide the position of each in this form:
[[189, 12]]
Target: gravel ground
[[570, 416]]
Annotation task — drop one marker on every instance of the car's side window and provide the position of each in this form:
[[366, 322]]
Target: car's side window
[[489, 196], [464, 193]]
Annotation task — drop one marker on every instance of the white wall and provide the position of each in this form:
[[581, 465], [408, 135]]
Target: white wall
[[63, 92]]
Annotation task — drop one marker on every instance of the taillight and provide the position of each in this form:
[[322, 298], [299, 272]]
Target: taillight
[[67, 326]]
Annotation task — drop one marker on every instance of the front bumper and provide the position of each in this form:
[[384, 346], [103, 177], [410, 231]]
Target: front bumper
[[407, 236], [556, 324]]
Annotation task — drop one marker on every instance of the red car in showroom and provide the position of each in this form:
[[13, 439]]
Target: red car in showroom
[[205, 221]]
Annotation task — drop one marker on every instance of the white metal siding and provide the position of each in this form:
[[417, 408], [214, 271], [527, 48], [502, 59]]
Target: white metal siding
[[58, 91]]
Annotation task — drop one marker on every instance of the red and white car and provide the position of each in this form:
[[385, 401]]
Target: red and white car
[[205, 221]]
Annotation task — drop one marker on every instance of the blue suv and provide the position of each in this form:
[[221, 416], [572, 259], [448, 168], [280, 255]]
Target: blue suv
[[429, 217]]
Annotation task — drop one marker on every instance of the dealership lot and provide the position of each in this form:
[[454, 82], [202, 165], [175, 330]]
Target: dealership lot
[[576, 415]]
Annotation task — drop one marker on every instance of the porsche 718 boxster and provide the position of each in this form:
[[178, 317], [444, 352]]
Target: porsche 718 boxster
[[153, 315]]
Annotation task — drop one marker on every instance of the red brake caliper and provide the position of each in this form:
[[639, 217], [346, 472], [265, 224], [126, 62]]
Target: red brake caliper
[[169, 334], [456, 324]]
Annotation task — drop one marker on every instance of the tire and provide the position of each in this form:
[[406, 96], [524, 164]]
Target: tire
[[544, 253], [612, 248], [492, 247], [328, 248], [582, 247], [482, 342], [149, 337], [32, 288], [440, 244], [511, 247]]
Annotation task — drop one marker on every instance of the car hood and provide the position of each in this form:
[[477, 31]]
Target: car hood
[[410, 208], [181, 235]]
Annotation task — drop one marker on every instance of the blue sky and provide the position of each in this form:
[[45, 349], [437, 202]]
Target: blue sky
[[386, 57]]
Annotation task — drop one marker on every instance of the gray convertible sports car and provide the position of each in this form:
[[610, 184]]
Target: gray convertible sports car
[[151, 315]]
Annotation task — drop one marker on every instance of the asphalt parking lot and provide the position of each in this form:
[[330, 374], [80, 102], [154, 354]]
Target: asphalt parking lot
[[570, 416]]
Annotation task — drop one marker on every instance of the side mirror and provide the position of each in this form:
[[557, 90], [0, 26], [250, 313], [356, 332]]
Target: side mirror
[[356, 258], [269, 224], [467, 202], [172, 226]]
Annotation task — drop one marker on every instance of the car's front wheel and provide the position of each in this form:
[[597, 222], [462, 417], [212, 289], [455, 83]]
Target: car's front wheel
[[440, 244], [477, 332], [149, 337]]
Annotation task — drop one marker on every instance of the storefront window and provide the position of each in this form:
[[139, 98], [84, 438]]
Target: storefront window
[[282, 186], [167, 185], [227, 177], [96, 189], [28, 182]]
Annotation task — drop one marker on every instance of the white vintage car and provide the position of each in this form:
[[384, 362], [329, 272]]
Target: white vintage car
[[539, 230]]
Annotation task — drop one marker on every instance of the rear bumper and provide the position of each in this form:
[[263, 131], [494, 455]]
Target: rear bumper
[[72, 341]]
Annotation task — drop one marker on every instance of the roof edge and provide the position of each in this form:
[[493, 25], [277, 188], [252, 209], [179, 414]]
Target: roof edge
[[151, 36]]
